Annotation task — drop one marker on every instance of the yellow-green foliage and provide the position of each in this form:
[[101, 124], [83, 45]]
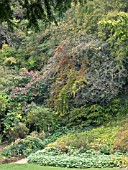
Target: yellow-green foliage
[[4, 103], [73, 84], [62, 101], [111, 137], [89, 139], [121, 139], [117, 24], [114, 29], [7, 55]]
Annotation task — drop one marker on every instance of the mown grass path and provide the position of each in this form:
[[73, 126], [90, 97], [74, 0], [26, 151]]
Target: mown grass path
[[37, 167]]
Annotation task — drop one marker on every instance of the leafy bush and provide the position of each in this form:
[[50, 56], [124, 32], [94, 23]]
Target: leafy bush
[[28, 87], [40, 135], [51, 138], [88, 115], [7, 55], [23, 147], [97, 114], [11, 119], [40, 118], [19, 131], [114, 29], [5, 103], [30, 144]]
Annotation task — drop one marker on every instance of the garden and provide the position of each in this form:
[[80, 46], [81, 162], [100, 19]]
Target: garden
[[64, 85]]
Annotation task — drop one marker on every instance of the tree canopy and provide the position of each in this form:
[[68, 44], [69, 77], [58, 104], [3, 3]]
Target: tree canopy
[[32, 10]]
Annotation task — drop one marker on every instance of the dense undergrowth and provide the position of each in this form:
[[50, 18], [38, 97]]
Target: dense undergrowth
[[104, 146], [66, 87], [101, 147]]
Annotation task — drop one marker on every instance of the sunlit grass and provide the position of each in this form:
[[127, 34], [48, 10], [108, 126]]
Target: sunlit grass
[[37, 167]]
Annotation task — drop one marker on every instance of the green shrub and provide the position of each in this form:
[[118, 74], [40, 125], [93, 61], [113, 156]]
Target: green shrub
[[8, 55], [40, 118], [4, 106], [11, 119], [113, 28], [106, 149], [96, 114], [4, 102], [23, 147], [51, 138], [30, 144], [19, 131], [88, 115], [40, 135]]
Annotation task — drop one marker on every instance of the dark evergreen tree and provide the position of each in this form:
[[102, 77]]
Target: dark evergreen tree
[[46, 10]]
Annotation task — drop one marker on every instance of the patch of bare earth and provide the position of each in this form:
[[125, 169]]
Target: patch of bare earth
[[22, 161]]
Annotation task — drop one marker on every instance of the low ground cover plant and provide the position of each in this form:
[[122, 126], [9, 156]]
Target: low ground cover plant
[[72, 162], [75, 158], [102, 139]]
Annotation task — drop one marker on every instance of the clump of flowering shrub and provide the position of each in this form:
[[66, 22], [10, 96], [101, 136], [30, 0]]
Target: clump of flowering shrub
[[29, 87]]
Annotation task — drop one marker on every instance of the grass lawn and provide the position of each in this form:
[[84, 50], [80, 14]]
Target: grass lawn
[[36, 167]]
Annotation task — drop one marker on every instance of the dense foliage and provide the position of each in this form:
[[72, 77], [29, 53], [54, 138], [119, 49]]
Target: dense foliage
[[23, 147], [62, 83]]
